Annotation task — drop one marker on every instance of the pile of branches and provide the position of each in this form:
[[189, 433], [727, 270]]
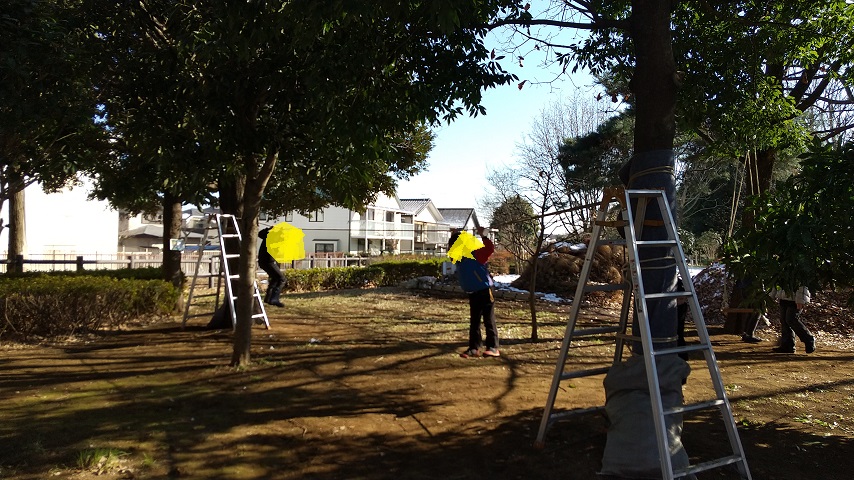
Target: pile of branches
[[558, 268]]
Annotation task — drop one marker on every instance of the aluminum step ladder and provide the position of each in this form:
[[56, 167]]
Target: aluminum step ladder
[[226, 227], [634, 297]]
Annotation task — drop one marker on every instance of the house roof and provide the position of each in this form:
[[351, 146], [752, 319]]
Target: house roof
[[414, 205], [151, 230], [147, 230], [458, 217]]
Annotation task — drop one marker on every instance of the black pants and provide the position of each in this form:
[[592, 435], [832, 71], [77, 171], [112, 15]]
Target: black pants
[[481, 307], [791, 325], [274, 274]]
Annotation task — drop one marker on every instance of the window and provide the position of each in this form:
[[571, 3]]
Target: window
[[289, 217], [315, 216], [369, 214], [324, 247], [389, 217]]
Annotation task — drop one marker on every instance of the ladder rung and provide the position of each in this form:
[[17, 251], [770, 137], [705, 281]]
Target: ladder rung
[[693, 407], [685, 348], [585, 373], [258, 315], [605, 287], [230, 235], [645, 192], [207, 275], [655, 243], [627, 337], [232, 255], [667, 295], [205, 295], [610, 223], [233, 277], [589, 332], [711, 464]]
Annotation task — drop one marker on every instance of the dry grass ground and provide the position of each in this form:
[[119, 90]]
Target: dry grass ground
[[368, 384]]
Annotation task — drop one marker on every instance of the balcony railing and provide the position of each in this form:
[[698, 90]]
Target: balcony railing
[[437, 237], [378, 229]]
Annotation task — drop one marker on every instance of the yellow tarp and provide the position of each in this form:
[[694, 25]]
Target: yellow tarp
[[463, 246], [284, 242]]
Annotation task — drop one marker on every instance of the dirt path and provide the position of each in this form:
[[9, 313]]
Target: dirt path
[[369, 385]]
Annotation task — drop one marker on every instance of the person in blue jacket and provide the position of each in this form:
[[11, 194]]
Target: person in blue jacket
[[475, 280]]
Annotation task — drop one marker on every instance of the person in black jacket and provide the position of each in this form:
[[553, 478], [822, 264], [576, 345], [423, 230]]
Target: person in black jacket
[[276, 280]]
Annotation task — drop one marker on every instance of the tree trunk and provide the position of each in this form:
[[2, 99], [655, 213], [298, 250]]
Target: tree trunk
[[172, 222], [630, 451], [230, 191], [251, 207], [17, 229], [532, 298]]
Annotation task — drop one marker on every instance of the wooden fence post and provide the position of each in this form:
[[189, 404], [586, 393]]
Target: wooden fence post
[[79, 263]]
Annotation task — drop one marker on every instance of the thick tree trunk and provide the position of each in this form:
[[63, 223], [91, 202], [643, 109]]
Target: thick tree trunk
[[172, 222], [631, 448], [17, 229], [251, 207]]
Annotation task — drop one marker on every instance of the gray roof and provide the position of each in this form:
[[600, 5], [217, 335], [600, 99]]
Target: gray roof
[[152, 230], [414, 205], [147, 230], [457, 217]]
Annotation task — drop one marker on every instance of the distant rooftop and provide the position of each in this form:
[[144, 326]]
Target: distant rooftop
[[414, 205], [456, 217]]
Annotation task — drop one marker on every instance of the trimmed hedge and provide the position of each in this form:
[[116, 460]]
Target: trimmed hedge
[[58, 304], [141, 273], [381, 274]]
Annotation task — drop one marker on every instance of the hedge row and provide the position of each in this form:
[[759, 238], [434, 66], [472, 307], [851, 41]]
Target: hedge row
[[58, 304], [381, 274]]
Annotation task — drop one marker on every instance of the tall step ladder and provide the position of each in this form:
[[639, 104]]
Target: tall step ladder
[[632, 224], [226, 227]]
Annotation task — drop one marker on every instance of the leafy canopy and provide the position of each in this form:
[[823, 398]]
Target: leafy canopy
[[804, 232]]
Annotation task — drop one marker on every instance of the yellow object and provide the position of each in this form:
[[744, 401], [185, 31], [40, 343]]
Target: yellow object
[[284, 242], [464, 245]]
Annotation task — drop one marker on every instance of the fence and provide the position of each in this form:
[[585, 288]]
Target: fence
[[209, 263]]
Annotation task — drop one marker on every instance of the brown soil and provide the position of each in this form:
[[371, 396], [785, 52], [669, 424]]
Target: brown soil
[[369, 385]]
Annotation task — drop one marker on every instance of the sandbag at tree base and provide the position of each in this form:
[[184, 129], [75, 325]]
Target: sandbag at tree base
[[631, 448]]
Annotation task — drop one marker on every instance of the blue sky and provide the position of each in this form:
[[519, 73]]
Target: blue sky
[[468, 147]]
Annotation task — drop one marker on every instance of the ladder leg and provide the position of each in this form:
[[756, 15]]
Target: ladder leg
[[570, 327]]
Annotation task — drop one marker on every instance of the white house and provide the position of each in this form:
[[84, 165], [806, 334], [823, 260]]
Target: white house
[[384, 227], [432, 232]]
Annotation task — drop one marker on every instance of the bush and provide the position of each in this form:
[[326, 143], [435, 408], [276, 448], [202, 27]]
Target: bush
[[50, 306], [381, 274], [143, 273], [316, 279], [397, 272]]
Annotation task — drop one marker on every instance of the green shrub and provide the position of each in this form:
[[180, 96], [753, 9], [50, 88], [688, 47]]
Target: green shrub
[[142, 273], [316, 279], [50, 306], [397, 272], [381, 274]]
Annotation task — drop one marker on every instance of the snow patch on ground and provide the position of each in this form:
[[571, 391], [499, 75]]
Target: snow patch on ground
[[502, 282]]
